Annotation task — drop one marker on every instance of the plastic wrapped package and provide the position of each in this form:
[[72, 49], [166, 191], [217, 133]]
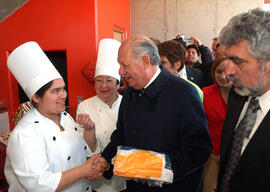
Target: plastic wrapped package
[[135, 163]]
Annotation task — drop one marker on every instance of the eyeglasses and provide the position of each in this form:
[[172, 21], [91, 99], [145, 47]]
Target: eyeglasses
[[108, 82]]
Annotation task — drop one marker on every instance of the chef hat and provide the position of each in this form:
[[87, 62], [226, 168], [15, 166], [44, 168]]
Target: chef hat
[[31, 67], [107, 63]]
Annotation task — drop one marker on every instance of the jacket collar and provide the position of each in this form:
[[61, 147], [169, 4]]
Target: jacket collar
[[157, 85]]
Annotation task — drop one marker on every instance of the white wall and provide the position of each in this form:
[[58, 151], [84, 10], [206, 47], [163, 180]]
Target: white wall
[[164, 19]]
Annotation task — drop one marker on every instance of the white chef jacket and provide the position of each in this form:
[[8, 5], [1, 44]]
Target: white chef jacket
[[105, 119], [38, 152]]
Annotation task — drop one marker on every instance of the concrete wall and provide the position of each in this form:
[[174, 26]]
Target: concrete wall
[[164, 19]]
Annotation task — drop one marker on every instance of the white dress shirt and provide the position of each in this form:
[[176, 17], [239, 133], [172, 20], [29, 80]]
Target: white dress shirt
[[183, 73], [264, 102]]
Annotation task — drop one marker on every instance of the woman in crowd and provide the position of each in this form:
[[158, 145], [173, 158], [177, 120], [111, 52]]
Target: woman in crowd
[[215, 105], [46, 152], [172, 55]]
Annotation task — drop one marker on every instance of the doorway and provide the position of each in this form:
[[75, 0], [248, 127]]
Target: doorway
[[59, 60]]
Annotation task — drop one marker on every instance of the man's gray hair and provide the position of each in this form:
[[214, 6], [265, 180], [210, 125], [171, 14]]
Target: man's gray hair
[[144, 46], [252, 26]]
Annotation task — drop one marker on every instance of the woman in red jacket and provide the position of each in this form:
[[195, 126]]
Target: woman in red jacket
[[215, 106]]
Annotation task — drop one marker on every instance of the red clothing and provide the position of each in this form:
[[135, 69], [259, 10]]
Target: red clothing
[[215, 109]]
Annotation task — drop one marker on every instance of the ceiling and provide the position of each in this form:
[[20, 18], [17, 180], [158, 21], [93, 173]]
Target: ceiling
[[7, 7]]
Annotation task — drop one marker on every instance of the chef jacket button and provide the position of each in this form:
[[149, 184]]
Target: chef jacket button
[[69, 158], [36, 122], [65, 113], [85, 147], [76, 129], [100, 110], [54, 138], [140, 94], [87, 188], [135, 132]]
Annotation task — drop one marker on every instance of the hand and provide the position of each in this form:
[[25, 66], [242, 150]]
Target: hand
[[102, 165], [85, 122], [89, 134], [196, 41]]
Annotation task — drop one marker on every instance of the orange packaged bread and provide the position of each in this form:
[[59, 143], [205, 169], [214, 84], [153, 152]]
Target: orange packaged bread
[[143, 164]]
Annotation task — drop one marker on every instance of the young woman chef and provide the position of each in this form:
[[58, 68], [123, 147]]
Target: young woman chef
[[46, 150]]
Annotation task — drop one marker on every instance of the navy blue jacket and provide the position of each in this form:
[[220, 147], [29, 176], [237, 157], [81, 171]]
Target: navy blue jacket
[[206, 65], [166, 117], [195, 75]]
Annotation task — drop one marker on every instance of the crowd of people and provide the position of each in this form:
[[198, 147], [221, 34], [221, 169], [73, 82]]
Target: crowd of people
[[208, 116]]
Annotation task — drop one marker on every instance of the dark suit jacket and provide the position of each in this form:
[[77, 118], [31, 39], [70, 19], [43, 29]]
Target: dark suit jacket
[[253, 170], [205, 67], [167, 117], [195, 75]]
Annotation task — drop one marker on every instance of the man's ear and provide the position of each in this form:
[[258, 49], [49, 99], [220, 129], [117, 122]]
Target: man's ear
[[35, 98], [267, 67], [146, 61]]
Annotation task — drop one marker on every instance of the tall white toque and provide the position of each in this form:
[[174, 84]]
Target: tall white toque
[[107, 63], [31, 67]]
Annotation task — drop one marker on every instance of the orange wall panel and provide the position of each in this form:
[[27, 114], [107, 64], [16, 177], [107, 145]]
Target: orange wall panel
[[56, 25], [112, 14], [72, 26]]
